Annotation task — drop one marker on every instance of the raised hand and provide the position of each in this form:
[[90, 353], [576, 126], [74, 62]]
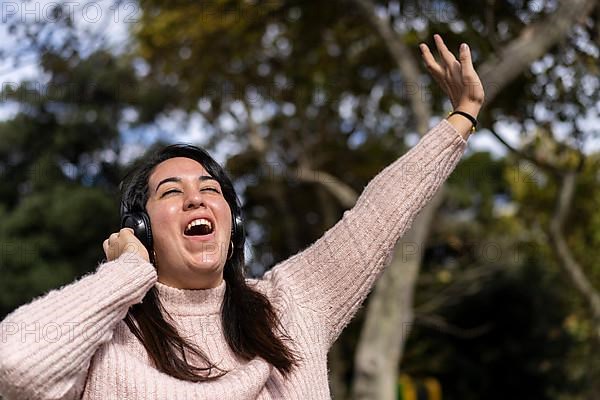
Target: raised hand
[[457, 78], [121, 242]]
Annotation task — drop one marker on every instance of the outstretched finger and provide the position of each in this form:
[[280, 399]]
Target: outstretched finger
[[466, 63], [446, 55], [432, 65]]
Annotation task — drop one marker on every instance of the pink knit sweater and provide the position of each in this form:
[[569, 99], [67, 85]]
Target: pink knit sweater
[[72, 342]]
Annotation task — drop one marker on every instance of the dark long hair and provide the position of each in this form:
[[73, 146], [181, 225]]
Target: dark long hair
[[250, 324]]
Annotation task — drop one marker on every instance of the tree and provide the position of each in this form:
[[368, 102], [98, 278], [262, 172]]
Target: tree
[[379, 353], [59, 162]]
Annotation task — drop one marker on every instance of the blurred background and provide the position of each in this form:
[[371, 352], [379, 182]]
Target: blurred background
[[494, 293]]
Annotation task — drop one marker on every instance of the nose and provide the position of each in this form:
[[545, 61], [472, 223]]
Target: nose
[[194, 199]]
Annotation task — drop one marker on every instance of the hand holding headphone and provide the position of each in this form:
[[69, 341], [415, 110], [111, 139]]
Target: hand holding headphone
[[122, 242]]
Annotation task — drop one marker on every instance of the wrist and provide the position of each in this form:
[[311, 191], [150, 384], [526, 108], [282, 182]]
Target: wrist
[[466, 115], [470, 108], [464, 119], [462, 125]]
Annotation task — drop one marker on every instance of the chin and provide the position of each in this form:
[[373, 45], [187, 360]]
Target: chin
[[206, 265]]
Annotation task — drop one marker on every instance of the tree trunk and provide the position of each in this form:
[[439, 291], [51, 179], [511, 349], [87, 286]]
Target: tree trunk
[[390, 313]]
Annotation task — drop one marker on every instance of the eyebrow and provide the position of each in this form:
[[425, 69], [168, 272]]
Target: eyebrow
[[201, 178]]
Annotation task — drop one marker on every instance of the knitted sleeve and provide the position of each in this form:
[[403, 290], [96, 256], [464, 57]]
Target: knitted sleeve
[[46, 345], [331, 278]]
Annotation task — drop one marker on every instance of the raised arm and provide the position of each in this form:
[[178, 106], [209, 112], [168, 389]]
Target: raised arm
[[332, 277], [46, 346]]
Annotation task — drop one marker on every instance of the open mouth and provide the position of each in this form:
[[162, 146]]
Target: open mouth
[[199, 227]]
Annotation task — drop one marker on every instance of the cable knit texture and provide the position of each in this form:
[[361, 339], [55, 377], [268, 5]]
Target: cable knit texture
[[72, 342]]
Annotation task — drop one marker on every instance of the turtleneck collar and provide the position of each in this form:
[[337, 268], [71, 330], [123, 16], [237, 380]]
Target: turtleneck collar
[[191, 301]]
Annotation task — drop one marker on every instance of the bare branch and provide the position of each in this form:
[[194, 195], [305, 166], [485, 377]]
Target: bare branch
[[490, 23], [540, 163], [439, 323], [405, 61], [497, 72], [463, 284], [533, 42], [345, 194], [256, 141], [563, 205], [560, 247]]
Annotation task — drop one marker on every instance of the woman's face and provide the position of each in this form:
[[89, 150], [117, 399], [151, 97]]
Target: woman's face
[[181, 191]]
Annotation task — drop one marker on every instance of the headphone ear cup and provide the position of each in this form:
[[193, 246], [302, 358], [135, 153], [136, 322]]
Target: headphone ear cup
[[140, 223], [149, 239], [238, 227]]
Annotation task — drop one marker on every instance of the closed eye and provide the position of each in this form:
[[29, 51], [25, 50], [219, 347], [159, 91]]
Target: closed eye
[[175, 190], [169, 191]]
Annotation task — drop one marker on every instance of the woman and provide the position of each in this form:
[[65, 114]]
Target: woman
[[189, 324]]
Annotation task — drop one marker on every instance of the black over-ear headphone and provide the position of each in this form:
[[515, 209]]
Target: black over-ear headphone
[[139, 221]]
